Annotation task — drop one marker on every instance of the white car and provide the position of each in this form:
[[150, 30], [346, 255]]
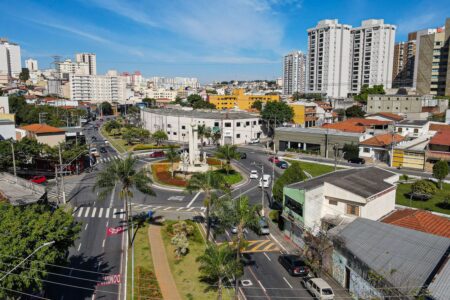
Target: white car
[[254, 174], [94, 151], [254, 141], [264, 181]]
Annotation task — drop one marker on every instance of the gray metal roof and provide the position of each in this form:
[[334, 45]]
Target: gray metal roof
[[317, 130], [364, 182], [202, 114], [408, 123], [440, 286], [404, 257]]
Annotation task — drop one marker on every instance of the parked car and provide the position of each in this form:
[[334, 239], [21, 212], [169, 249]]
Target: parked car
[[155, 154], [243, 155], [94, 138], [274, 159], [319, 288], [254, 174], [282, 164], [39, 179], [103, 150], [94, 151], [294, 264], [254, 141], [263, 228], [264, 181], [357, 160]]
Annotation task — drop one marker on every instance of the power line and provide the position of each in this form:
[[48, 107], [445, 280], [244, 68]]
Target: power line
[[14, 291]]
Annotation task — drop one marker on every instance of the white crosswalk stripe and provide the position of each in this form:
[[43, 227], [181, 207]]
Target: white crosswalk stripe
[[93, 212], [100, 213], [80, 212], [116, 213], [87, 212], [107, 213]]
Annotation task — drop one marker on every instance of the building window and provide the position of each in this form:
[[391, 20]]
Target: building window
[[216, 124], [293, 205], [238, 135], [352, 210], [399, 129], [169, 126], [332, 202], [227, 124], [248, 123], [416, 130], [366, 150], [238, 124], [183, 127], [174, 133]]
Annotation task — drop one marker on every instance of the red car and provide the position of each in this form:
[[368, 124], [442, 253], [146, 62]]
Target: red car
[[157, 154], [274, 159], [39, 179]]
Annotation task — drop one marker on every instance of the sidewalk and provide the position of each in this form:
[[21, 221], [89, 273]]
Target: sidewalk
[[162, 270]]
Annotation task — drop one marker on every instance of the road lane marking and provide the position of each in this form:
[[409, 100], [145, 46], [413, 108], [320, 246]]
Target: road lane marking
[[80, 212], [167, 208], [112, 196], [189, 209], [94, 210], [193, 199], [100, 213], [157, 207], [279, 244], [103, 244], [107, 223], [85, 227], [107, 213], [178, 209], [265, 254], [264, 289], [288, 283], [114, 213], [87, 212], [79, 246]]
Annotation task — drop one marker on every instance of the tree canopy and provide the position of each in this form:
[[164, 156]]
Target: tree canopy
[[440, 171], [351, 151], [24, 75], [159, 136], [366, 91], [257, 105], [293, 173], [423, 187], [105, 108], [354, 111], [277, 111], [24, 229]]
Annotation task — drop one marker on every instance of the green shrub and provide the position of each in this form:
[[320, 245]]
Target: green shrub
[[150, 147], [274, 215], [423, 187]]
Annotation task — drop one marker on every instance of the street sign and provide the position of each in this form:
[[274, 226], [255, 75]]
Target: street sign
[[114, 230], [109, 280]]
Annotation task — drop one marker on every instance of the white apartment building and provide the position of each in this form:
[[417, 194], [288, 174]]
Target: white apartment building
[[161, 94], [68, 67], [371, 54], [173, 82], [10, 58], [97, 88], [235, 127], [31, 65], [90, 59], [328, 59], [294, 65]]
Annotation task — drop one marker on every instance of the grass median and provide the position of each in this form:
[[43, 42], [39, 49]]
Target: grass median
[[314, 169], [435, 203]]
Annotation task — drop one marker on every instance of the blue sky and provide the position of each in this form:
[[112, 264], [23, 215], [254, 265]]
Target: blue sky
[[208, 39]]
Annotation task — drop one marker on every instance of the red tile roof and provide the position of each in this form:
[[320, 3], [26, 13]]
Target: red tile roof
[[439, 127], [441, 138], [420, 220], [41, 128], [382, 140], [388, 115], [355, 124]]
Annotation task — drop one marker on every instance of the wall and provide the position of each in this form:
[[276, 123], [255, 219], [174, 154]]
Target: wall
[[380, 206], [51, 139], [314, 202], [299, 114], [8, 131]]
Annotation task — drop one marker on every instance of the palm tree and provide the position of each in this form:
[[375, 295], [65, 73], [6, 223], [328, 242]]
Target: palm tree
[[218, 263], [202, 132], [172, 156], [124, 174], [207, 182], [216, 136], [227, 152]]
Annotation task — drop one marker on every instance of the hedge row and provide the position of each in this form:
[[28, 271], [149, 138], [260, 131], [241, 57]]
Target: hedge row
[[149, 147], [147, 284]]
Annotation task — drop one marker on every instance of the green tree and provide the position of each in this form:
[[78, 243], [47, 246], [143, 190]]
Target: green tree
[[423, 187], [123, 173], [172, 156], [24, 75], [258, 104], [112, 124], [292, 174], [296, 96], [275, 112], [340, 113], [354, 111], [216, 135], [105, 108], [203, 105], [192, 99], [366, 91], [203, 131], [23, 230], [181, 243], [228, 152], [217, 263], [351, 151], [151, 102], [440, 171], [207, 182], [160, 136], [16, 102]]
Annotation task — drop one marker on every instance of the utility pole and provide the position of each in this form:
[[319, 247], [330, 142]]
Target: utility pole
[[335, 148], [14, 160], [262, 189], [62, 175]]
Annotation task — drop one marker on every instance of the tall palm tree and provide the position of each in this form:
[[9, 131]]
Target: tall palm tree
[[172, 156], [227, 152], [207, 182], [123, 173], [218, 263], [202, 132]]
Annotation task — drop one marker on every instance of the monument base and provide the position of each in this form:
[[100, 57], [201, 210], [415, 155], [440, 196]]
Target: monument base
[[194, 168]]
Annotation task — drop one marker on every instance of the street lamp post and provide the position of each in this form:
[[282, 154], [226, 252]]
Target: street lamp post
[[262, 185], [25, 259]]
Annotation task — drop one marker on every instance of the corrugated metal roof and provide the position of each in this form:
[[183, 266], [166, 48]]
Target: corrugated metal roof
[[202, 114], [439, 288], [404, 257]]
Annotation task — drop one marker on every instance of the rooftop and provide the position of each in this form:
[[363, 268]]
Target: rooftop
[[417, 144], [42, 128], [356, 124], [388, 115], [19, 191], [202, 114], [406, 258], [317, 130], [409, 123], [420, 220], [439, 126], [364, 182], [6, 122], [382, 140], [441, 138]]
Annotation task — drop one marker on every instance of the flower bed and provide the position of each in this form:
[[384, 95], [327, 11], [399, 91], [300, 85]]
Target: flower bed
[[161, 173], [213, 161], [150, 147]]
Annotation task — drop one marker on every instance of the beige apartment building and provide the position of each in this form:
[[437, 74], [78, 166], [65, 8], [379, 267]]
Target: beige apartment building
[[433, 71], [404, 56]]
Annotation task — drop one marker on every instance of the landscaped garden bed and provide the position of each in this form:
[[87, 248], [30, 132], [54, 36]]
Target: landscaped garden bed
[[437, 201]]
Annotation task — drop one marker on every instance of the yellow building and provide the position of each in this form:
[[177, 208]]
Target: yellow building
[[304, 113], [239, 99]]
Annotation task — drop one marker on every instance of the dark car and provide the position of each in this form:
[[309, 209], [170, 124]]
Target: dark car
[[157, 154], [357, 160], [243, 155], [282, 164], [94, 138], [103, 150], [294, 264]]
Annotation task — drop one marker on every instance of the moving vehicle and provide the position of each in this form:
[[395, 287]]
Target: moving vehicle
[[319, 288], [357, 160], [243, 155], [254, 174], [282, 164], [39, 179], [263, 228], [103, 150], [94, 151], [155, 154], [274, 159], [294, 264], [254, 141], [264, 181]]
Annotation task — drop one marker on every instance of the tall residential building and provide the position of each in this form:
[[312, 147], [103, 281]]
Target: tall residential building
[[68, 67], [419, 34], [372, 54], [173, 82], [31, 65], [328, 59], [404, 57], [90, 59], [294, 73], [433, 70], [97, 88], [10, 59]]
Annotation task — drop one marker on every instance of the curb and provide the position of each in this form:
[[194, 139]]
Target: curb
[[110, 144], [244, 174]]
